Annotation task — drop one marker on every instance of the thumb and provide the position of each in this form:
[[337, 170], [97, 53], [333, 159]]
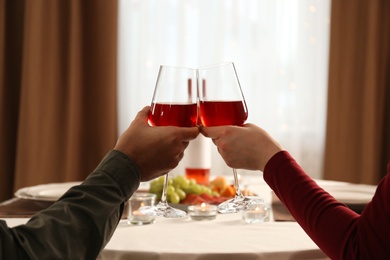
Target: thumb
[[143, 114], [189, 133], [211, 132]]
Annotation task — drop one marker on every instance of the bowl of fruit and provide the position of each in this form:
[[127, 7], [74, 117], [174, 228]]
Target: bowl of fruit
[[182, 192]]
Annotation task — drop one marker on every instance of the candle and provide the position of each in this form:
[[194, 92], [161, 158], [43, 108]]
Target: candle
[[257, 212], [202, 212], [135, 202], [140, 219]]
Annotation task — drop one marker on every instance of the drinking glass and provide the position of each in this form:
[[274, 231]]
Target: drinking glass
[[174, 103], [221, 102]]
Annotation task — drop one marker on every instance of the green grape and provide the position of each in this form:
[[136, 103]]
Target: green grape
[[207, 190], [175, 181], [215, 193], [181, 181], [192, 181], [159, 180], [173, 198], [158, 197], [155, 187], [186, 189], [178, 188], [181, 193], [196, 189], [170, 189], [202, 188]]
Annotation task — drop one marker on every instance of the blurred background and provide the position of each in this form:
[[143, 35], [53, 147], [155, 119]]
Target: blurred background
[[73, 74], [280, 50]]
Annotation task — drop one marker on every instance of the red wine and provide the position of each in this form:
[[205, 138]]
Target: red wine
[[164, 114], [215, 113]]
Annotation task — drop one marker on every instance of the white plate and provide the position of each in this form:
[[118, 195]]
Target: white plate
[[45, 192], [352, 193], [347, 193]]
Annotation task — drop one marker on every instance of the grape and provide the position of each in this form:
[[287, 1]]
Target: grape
[[158, 196], [215, 193], [174, 198], [181, 181], [206, 190], [192, 181], [196, 189], [178, 188], [181, 193], [160, 180], [155, 188], [170, 189]]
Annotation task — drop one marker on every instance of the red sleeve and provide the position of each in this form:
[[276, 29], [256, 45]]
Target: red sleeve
[[337, 230]]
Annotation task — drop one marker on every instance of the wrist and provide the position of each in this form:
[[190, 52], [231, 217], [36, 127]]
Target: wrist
[[271, 153]]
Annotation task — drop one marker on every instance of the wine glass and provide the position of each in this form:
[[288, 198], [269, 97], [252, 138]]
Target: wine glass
[[221, 102], [174, 103]]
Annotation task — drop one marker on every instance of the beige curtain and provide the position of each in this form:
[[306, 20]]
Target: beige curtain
[[358, 124], [58, 110]]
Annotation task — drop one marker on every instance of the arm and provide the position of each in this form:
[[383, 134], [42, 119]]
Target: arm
[[314, 209], [80, 223], [337, 230]]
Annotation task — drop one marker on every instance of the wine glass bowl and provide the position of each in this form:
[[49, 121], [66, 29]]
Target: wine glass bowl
[[174, 103], [234, 112], [221, 102], [174, 100]]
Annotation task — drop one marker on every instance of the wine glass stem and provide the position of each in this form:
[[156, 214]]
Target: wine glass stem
[[164, 192], [236, 185]]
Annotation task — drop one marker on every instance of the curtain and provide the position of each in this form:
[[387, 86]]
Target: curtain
[[280, 50], [358, 122], [58, 111]]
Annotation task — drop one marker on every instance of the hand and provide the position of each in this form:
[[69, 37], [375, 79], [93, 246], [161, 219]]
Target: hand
[[155, 150], [243, 147]]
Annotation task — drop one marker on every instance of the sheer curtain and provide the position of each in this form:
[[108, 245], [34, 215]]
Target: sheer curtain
[[280, 49]]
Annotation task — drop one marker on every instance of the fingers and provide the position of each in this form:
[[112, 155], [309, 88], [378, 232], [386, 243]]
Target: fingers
[[143, 114], [145, 109], [189, 133], [185, 145], [211, 132]]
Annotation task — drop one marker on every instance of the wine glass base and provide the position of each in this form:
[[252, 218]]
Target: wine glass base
[[234, 205], [162, 210]]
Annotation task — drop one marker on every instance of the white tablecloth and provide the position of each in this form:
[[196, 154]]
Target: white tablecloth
[[226, 237]]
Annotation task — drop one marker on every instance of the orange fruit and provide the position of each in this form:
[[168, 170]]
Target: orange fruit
[[218, 184], [229, 191]]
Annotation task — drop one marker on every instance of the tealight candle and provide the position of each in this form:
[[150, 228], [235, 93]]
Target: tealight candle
[[257, 212], [135, 202], [202, 212]]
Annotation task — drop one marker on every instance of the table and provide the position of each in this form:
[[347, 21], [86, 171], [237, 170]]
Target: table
[[226, 237]]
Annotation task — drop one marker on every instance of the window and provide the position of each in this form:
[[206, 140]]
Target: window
[[279, 47]]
